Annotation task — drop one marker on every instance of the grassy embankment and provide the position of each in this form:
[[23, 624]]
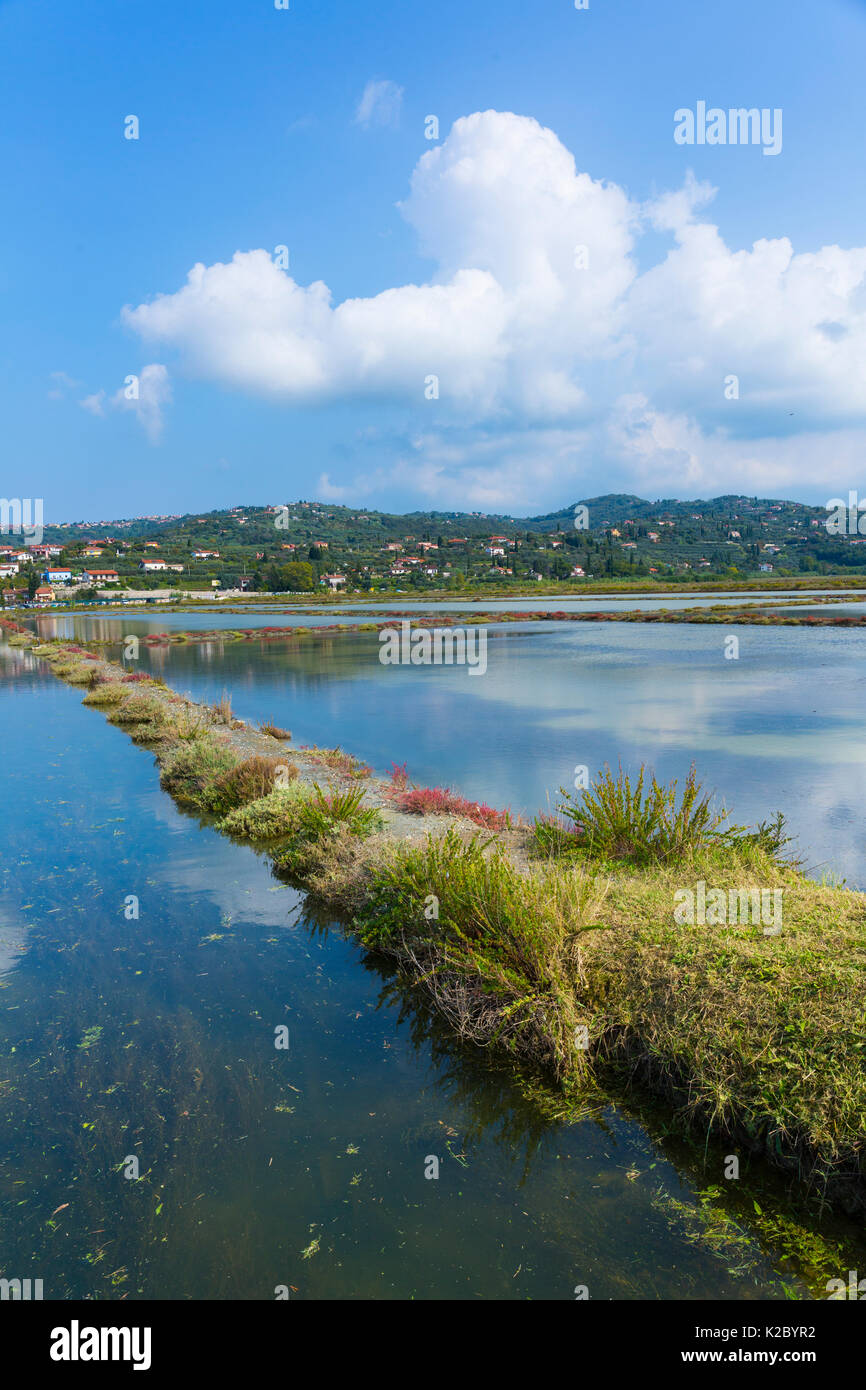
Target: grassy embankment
[[557, 941], [486, 590]]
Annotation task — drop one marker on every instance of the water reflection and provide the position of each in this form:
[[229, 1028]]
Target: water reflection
[[153, 1038]]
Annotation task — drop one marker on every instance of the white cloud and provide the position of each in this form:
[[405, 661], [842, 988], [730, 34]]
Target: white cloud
[[380, 104], [145, 395], [544, 337]]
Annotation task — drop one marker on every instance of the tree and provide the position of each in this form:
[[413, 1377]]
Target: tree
[[299, 575]]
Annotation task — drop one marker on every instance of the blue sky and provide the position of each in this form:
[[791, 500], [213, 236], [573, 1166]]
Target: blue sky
[[550, 387]]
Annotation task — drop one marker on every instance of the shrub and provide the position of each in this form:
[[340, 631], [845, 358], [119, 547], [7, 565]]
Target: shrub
[[320, 816], [398, 778], [271, 817], [501, 958], [274, 731], [106, 693], [222, 710], [643, 822], [193, 766], [552, 837], [138, 709], [246, 781]]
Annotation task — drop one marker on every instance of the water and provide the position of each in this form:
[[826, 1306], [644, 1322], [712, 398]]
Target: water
[[259, 1168], [779, 728]]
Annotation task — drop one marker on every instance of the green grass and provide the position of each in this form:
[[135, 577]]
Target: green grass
[[646, 822], [108, 693], [762, 1038], [245, 782], [318, 818], [270, 818], [191, 767]]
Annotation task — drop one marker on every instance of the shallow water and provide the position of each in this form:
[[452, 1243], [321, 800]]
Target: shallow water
[[258, 1168], [778, 728]]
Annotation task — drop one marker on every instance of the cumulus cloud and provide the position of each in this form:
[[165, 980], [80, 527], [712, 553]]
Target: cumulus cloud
[[542, 334], [380, 104]]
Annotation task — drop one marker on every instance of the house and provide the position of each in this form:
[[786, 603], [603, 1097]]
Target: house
[[286, 545], [653, 536], [334, 581], [577, 572], [150, 565], [45, 551], [766, 569], [101, 576], [44, 594], [10, 598], [494, 550], [7, 570], [57, 576], [151, 545], [393, 545], [94, 550], [205, 554]]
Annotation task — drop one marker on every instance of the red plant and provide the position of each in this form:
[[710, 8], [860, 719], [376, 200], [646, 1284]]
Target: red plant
[[399, 777], [441, 801], [135, 676]]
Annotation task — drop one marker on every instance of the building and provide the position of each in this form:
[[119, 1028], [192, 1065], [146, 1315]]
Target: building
[[150, 565], [334, 581], [205, 554], [45, 551], [57, 576], [44, 594], [101, 576], [765, 569], [6, 571]]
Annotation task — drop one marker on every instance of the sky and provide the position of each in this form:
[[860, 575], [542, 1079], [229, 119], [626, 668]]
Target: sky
[[408, 256]]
